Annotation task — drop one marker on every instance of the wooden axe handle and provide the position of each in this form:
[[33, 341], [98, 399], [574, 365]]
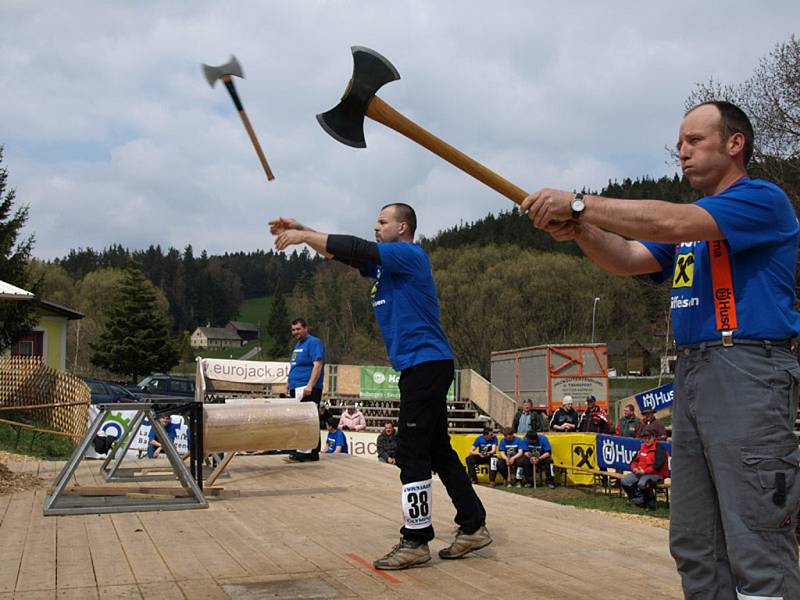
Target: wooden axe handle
[[256, 145], [382, 112]]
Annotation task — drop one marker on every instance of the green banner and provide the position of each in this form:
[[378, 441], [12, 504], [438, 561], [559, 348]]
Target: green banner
[[383, 383]]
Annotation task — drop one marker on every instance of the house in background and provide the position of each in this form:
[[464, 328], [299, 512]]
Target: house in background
[[246, 331], [49, 338], [209, 338]]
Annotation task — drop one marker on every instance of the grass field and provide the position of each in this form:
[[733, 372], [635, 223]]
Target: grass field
[[585, 497], [32, 443]]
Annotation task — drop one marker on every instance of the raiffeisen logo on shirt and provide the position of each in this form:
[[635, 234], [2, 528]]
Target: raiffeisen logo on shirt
[[684, 271], [678, 302]]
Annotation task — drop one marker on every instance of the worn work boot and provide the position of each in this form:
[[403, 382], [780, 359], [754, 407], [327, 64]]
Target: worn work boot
[[465, 543], [406, 554]]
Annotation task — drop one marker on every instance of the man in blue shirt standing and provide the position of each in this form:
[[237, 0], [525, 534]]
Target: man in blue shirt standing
[[305, 376], [407, 310], [731, 258]]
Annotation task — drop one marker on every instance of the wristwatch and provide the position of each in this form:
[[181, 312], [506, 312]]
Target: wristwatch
[[578, 205]]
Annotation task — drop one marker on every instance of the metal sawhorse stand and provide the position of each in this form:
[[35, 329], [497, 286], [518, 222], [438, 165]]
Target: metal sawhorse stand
[[61, 501]]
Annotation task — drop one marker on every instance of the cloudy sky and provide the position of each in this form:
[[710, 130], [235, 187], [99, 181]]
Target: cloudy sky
[[112, 135]]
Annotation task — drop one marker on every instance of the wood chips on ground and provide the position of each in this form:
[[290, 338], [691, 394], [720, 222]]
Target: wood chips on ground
[[644, 519], [11, 482]]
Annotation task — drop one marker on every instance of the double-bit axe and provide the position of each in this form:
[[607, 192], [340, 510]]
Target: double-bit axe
[[345, 121], [225, 72]]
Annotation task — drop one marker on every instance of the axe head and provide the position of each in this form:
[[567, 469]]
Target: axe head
[[345, 121], [232, 67]]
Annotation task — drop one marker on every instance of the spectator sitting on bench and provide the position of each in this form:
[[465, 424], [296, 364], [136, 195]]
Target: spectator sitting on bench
[[154, 447], [512, 454], [528, 419], [594, 418], [649, 418], [566, 418], [628, 424], [387, 444], [336, 442], [483, 452], [352, 419], [540, 453], [649, 467]]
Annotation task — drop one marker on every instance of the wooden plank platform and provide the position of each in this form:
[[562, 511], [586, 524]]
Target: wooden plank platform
[[311, 530]]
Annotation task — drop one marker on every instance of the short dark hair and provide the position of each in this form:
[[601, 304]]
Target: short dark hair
[[630, 406], [487, 430], [405, 214], [733, 120], [301, 321], [508, 431], [332, 422]]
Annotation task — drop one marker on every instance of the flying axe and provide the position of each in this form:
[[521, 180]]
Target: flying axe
[[345, 121], [225, 72]]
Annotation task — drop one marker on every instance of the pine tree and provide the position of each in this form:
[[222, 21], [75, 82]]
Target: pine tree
[[278, 326], [136, 341], [16, 319]]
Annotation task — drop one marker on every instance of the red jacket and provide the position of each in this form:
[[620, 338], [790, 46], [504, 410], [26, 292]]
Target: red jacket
[[653, 459]]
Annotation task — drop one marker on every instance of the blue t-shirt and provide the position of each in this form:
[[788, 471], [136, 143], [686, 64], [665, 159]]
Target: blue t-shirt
[[543, 445], [483, 444], [762, 232], [171, 429], [512, 447], [302, 362], [406, 306], [334, 439]]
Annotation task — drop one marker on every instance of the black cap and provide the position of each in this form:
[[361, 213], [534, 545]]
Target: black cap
[[591, 398]]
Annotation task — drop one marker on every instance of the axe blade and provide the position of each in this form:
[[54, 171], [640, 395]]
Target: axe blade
[[345, 121], [232, 67]]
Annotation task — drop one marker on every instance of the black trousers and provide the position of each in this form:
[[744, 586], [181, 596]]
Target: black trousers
[[473, 460], [316, 397], [423, 444]]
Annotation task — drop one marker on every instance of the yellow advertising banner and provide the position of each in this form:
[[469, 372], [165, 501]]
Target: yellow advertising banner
[[570, 449]]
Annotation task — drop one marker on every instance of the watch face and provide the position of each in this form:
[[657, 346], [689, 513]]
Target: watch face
[[578, 205]]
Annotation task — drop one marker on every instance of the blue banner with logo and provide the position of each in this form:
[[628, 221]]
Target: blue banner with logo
[[656, 399], [617, 452]]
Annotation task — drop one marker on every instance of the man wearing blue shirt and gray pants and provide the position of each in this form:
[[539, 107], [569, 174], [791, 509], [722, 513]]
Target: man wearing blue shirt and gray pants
[[305, 376], [407, 309], [731, 258]]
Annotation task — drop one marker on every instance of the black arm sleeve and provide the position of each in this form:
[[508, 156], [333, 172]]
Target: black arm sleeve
[[350, 249], [661, 458]]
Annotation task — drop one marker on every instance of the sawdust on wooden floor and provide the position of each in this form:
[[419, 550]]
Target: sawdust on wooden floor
[[11, 482]]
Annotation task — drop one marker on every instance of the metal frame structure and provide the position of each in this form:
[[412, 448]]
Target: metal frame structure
[[57, 502]]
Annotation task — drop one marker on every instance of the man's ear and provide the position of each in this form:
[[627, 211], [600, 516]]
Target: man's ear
[[735, 144]]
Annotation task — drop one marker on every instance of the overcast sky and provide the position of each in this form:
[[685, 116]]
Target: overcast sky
[[112, 134]]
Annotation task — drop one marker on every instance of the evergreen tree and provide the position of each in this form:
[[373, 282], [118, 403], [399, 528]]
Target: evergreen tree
[[136, 341], [16, 319], [279, 327]]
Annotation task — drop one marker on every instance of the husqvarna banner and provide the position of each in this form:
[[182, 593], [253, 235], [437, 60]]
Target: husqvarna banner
[[245, 371], [617, 452], [656, 399]]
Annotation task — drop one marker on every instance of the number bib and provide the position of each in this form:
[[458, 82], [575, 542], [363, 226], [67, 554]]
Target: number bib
[[417, 502]]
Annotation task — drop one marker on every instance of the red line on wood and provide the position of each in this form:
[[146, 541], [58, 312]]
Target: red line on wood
[[369, 567]]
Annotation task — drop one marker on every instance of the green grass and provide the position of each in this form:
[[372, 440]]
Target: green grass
[[256, 310], [585, 497], [33, 443]]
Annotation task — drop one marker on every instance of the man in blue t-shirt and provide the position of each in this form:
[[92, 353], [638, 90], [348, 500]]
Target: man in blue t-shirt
[[483, 452], [406, 307], [305, 376], [731, 258], [539, 455], [511, 455], [336, 442], [154, 447]]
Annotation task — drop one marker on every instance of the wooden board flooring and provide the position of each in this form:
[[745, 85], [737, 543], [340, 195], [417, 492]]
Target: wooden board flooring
[[310, 531]]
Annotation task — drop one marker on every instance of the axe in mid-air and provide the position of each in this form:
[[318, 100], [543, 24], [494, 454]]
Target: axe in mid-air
[[225, 72], [345, 121]]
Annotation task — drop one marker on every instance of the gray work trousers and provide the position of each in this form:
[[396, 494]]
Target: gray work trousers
[[735, 488]]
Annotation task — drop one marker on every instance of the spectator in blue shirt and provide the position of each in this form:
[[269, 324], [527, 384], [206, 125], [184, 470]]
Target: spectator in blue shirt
[[336, 443], [512, 454], [538, 455], [483, 452], [154, 447]]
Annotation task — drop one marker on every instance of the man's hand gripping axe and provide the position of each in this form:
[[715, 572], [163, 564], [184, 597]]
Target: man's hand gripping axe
[[345, 121], [225, 72]]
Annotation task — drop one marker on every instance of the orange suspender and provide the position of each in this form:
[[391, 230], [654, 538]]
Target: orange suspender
[[722, 282]]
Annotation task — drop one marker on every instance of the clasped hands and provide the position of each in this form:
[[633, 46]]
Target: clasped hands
[[287, 232], [551, 211]]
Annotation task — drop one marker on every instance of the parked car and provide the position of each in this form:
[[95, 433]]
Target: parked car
[[107, 391], [167, 385]]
